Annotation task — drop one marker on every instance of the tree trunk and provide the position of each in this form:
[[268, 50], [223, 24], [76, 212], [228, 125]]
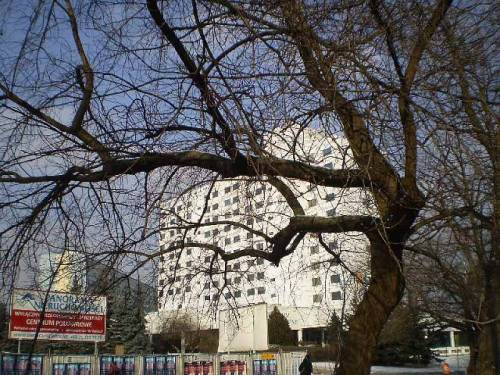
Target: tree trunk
[[384, 293], [486, 355], [472, 368]]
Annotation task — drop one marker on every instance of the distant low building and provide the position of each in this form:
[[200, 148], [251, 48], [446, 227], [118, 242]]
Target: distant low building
[[71, 271]]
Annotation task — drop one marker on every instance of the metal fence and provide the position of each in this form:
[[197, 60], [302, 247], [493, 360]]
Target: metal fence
[[268, 363]]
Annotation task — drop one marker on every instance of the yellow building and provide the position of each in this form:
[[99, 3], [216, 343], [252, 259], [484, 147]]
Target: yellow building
[[62, 272]]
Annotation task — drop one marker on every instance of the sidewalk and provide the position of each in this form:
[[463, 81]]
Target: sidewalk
[[324, 368]]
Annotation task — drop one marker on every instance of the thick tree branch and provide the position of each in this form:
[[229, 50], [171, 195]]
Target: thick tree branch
[[252, 166], [199, 79]]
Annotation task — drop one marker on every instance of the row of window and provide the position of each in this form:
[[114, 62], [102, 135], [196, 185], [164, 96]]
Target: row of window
[[334, 279], [332, 245], [237, 294], [235, 187], [336, 296], [317, 298]]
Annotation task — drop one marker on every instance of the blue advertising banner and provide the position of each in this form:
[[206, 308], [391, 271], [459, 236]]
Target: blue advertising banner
[[264, 367], [71, 369], [159, 365], [125, 364], [20, 364]]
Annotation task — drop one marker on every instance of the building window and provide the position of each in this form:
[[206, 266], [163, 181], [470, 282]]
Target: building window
[[249, 235], [215, 194], [316, 281], [336, 296], [216, 284], [314, 249], [261, 290], [207, 234], [172, 233], [327, 151], [329, 165], [259, 246], [227, 189], [317, 298], [259, 205], [250, 277], [258, 191], [237, 294], [207, 285], [236, 186], [208, 209], [315, 266], [227, 295], [170, 292], [215, 206], [188, 288], [251, 292], [227, 228], [236, 266], [227, 202], [330, 197], [335, 279], [162, 282], [251, 262], [330, 212], [236, 200], [260, 261], [188, 251], [237, 280], [207, 259], [249, 221], [236, 212], [332, 245], [227, 241], [207, 298], [171, 256], [260, 276], [312, 202], [236, 239]]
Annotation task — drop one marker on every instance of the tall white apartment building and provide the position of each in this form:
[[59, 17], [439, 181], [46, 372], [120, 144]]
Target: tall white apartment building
[[232, 213]]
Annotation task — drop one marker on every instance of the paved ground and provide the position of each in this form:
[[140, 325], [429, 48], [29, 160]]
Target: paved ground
[[458, 365]]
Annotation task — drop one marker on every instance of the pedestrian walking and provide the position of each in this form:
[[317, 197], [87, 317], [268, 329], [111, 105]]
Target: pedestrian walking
[[306, 367]]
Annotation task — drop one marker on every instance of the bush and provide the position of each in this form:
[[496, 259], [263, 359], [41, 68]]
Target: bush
[[279, 329]]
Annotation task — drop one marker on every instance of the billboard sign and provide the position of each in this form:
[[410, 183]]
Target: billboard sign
[[243, 329], [57, 316]]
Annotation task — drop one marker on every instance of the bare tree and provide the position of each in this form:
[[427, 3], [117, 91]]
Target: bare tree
[[460, 230], [98, 130]]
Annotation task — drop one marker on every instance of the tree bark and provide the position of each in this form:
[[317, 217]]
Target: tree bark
[[486, 355], [383, 295], [474, 353]]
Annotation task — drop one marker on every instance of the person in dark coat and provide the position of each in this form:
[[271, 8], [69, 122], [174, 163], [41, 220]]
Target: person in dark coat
[[306, 367]]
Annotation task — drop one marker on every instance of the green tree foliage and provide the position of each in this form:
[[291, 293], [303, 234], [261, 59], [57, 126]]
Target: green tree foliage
[[279, 329], [404, 340], [126, 324]]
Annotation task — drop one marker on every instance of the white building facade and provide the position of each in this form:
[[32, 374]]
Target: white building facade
[[246, 213]]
